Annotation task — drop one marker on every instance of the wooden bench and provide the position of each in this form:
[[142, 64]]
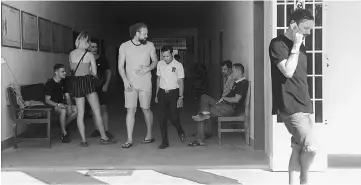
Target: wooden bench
[[242, 117], [34, 115]]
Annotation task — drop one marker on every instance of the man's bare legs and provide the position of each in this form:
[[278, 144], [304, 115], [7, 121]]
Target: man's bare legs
[[104, 112], [299, 166], [72, 116], [130, 119], [148, 115], [306, 159], [62, 119]]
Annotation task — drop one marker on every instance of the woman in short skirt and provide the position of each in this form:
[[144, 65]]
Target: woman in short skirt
[[83, 86]]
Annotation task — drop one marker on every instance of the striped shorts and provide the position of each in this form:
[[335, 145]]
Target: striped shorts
[[82, 86]]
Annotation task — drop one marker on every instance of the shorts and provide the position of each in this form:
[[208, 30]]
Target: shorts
[[300, 126], [131, 98], [102, 96], [58, 110], [82, 86]]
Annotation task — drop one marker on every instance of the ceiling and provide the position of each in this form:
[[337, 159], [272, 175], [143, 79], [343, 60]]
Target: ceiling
[[173, 14]]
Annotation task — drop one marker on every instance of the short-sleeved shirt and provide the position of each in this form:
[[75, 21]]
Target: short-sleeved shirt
[[290, 95], [135, 57], [102, 67], [240, 87], [56, 90], [169, 74]]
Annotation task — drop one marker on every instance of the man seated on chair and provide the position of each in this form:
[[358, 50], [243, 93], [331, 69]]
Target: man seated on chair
[[228, 81], [55, 90], [231, 104]]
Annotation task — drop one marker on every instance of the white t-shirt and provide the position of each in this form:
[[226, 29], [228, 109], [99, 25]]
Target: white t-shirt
[[135, 57], [169, 74]]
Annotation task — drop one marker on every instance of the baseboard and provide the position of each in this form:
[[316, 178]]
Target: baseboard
[[7, 143]]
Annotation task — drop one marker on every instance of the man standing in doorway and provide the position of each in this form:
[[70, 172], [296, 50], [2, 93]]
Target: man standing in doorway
[[104, 74], [136, 53], [170, 88], [291, 99]]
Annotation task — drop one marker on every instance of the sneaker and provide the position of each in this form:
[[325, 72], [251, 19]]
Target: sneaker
[[109, 135], [95, 133], [65, 138], [200, 117]]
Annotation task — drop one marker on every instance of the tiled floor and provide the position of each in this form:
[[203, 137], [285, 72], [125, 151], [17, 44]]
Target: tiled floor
[[232, 153]]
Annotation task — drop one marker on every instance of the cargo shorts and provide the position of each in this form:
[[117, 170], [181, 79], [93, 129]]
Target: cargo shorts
[[301, 126]]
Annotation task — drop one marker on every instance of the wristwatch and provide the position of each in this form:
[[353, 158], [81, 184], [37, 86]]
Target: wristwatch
[[295, 52], [180, 96]]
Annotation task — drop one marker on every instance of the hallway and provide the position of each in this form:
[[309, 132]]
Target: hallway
[[232, 153]]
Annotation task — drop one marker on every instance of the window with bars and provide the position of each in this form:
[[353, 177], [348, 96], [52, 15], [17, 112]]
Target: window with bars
[[177, 43], [313, 44]]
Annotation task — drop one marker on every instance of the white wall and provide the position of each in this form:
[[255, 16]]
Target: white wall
[[341, 82], [36, 66], [236, 21], [268, 22]]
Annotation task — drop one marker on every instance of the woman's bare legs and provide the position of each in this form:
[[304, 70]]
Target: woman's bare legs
[[80, 103], [94, 104]]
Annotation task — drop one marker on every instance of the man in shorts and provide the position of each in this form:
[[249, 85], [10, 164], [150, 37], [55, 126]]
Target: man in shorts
[[291, 99], [104, 74], [136, 54], [55, 91]]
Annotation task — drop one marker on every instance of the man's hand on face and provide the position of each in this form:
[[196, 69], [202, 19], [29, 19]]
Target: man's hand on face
[[297, 36]]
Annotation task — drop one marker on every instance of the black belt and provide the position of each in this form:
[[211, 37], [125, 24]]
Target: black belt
[[170, 90]]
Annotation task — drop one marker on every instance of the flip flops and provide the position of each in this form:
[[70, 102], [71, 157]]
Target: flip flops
[[146, 141], [127, 145], [195, 143]]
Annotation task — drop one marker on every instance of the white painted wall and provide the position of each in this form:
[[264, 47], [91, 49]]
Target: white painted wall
[[239, 43], [268, 23], [36, 66], [236, 21], [342, 87]]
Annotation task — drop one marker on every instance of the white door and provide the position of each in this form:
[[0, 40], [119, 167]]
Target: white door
[[280, 138], [342, 71]]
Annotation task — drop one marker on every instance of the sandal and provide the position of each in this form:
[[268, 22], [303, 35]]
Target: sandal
[[195, 143], [146, 141], [108, 141], [127, 145], [84, 144]]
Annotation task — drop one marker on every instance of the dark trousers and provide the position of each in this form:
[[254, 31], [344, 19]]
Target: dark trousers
[[207, 103], [168, 110]]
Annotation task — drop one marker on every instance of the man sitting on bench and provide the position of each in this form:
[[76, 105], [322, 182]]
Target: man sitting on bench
[[229, 105], [228, 81], [55, 90]]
